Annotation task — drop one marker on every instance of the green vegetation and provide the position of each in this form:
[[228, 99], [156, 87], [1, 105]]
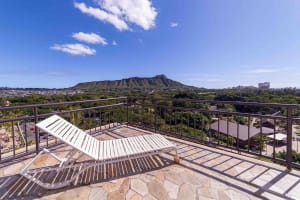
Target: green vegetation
[[174, 120], [295, 156]]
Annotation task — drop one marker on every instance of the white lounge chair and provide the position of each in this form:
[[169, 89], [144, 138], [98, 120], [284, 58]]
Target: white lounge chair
[[108, 151]]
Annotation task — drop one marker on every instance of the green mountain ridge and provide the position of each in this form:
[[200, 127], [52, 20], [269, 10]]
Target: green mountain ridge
[[159, 82]]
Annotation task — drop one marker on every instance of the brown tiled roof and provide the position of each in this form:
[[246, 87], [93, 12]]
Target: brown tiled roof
[[243, 129]]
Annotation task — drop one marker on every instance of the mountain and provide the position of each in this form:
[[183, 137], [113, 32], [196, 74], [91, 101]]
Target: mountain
[[159, 82]]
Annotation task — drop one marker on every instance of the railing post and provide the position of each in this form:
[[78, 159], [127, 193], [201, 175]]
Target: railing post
[[143, 113], [238, 137], [227, 143], [260, 137], [26, 139], [289, 138], [274, 130], [249, 139], [127, 115], [155, 118], [13, 138], [36, 130], [109, 119], [218, 129], [100, 120]]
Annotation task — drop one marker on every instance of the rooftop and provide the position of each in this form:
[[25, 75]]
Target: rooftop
[[205, 172], [238, 130]]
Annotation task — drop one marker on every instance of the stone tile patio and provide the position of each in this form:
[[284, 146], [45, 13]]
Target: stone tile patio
[[203, 173]]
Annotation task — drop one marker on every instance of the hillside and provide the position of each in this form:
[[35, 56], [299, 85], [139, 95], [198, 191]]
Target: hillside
[[158, 82]]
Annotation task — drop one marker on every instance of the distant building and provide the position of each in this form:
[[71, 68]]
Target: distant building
[[6, 103], [225, 127], [269, 123], [213, 108], [242, 87], [265, 85], [266, 122]]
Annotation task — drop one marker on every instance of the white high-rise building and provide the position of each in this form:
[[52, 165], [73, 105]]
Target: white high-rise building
[[265, 85]]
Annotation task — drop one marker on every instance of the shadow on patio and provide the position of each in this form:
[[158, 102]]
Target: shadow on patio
[[203, 172], [12, 187]]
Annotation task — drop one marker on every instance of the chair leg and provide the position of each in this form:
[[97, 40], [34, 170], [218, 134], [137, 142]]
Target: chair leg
[[26, 172], [176, 157], [29, 174], [44, 151]]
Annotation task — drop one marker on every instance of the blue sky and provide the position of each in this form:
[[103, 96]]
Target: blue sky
[[205, 43]]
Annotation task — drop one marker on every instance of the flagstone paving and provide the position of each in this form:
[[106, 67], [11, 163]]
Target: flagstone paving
[[203, 173]]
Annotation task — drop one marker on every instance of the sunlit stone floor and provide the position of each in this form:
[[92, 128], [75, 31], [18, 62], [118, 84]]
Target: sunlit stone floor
[[203, 173]]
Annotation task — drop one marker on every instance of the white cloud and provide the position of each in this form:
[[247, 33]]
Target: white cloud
[[121, 13], [173, 24], [267, 70], [74, 49], [92, 38], [102, 16], [260, 71], [114, 43]]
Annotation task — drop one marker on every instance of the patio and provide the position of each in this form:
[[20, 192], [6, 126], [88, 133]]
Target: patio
[[204, 173]]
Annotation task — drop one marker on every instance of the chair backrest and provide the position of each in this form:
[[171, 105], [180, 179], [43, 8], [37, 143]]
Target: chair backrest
[[71, 135]]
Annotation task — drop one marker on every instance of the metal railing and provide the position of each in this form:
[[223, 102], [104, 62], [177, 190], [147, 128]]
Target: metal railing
[[192, 120], [23, 138], [185, 118]]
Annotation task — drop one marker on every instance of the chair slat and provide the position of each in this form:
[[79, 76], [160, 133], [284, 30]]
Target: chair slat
[[158, 142], [132, 144], [152, 143], [138, 145], [93, 147], [124, 148], [115, 149], [127, 146], [78, 142], [119, 146], [102, 150], [88, 144], [71, 133], [97, 149], [49, 121], [164, 141], [75, 136], [145, 144], [58, 128], [111, 148], [66, 132]]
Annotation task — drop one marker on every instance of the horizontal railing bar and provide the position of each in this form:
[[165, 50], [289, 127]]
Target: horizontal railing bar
[[218, 146], [214, 111], [82, 109], [63, 112], [154, 103], [60, 103], [221, 102]]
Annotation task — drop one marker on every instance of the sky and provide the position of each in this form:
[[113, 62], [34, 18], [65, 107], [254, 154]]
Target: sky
[[204, 43]]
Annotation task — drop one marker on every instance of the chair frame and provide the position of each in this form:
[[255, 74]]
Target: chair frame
[[69, 161]]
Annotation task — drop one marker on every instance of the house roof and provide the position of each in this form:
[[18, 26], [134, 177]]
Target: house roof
[[278, 136], [268, 120], [243, 129]]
